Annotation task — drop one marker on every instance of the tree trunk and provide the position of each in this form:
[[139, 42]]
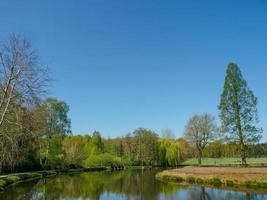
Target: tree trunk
[[243, 155], [199, 157]]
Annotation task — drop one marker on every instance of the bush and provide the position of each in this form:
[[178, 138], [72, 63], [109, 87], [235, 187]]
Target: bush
[[30, 175], [199, 181], [190, 179], [3, 183], [250, 184], [104, 159], [170, 178], [254, 184], [229, 183], [12, 179], [263, 185], [49, 173], [215, 182]]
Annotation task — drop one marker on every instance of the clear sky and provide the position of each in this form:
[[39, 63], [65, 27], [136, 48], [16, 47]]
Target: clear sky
[[124, 64]]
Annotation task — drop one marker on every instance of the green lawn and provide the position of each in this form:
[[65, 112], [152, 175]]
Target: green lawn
[[226, 161]]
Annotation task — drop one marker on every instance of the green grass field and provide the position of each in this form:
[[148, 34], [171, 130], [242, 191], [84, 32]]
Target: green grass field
[[226, 161]]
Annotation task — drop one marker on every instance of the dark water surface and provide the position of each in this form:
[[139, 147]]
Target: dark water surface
[[119, 185]]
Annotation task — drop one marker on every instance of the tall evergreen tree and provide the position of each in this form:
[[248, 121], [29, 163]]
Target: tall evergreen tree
[[238, 111]]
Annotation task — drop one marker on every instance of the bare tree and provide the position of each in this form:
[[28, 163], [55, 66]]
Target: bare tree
[[167, 133], [23, 81], [22, 78], [200, 131]]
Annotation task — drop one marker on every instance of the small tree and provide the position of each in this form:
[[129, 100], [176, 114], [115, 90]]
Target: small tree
[[200, 131], [238, 111]]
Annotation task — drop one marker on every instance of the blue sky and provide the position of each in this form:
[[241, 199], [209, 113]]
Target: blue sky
[[124, 64]]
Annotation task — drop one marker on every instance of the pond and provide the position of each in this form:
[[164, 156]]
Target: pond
[[118, 185]]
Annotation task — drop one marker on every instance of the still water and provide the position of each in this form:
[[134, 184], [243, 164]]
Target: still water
[[119, 185]]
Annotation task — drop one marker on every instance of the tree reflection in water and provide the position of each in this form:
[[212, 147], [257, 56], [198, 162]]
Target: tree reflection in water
[[121, 185]]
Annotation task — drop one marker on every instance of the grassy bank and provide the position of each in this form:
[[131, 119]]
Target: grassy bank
[[226, 161], [218, 176], [6, 180]]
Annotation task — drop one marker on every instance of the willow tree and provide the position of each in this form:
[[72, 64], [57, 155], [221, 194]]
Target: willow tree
[[238, 111]]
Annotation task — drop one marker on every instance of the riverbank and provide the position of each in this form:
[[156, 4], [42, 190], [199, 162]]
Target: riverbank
[[9, 179], [217, 176]]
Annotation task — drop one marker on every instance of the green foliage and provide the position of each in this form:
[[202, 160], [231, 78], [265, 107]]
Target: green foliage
[[57, 121], [215, 182], [173, 154], [256, 185], [76, 149], [3, 183], [102, 160], [30, 175], [168, 153], [56, 126], [190, 179], [97, 144], [12, 179], [146, 146], [238, 110], [199, 180], [167, 178], [229, 183]]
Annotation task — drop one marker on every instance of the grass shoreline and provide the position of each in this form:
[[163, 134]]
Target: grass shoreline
[[227, 162], [10, 179], [252, 178]]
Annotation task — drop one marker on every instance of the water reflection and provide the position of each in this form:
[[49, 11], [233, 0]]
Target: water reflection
[[123, 185]]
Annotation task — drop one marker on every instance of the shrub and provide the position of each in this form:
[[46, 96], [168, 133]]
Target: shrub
[[199, 181], [263, 185], [254, 184], [190, 179], [30, 175], [215, 181], [229, 183], [171, 178], [12, 179], [250, 184], [104, 159], [3, 183], [49, 173]]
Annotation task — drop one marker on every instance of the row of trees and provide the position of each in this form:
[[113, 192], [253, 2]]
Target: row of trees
[[142, 147]]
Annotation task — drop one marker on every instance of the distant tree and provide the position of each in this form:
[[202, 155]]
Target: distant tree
[[173, 154], [200, 131], [56, 126], [167, 133], [215, 149], [129, 148], [146, 142], [238, 111], [75, 148], [164, 144], [186, 151], [97, 145], [113, 146]]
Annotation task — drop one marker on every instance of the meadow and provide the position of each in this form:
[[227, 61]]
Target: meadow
[[227, 161]]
